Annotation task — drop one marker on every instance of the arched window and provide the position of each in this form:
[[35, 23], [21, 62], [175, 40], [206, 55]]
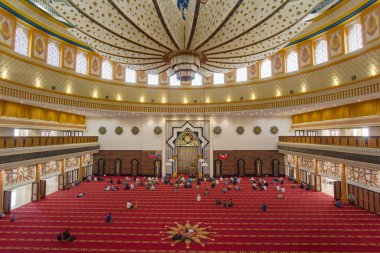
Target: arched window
[[218, 78], [241, 75], [174, 81], [53, 54], [152, 79], [354, 37], [197, 80], [82, 63], [291, 61], [22, 41], [266, 68], [321, 54], [106, 70], [130, 75]]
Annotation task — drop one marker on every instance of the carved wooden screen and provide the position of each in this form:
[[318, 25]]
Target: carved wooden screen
[[218, 168], [276, 167], [134, 167], [101, 167], [318, 183], [241, 167], [117, 167], [258, 167]]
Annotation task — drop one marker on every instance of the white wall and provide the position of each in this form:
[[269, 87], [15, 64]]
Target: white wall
[[230, 140], [145, 140], [227, 140]]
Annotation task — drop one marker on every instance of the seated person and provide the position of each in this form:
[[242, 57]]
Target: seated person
[[178, 236], [302, 186], [277, 187], [132, 187], [81, 195], [308, 187], [224, 190], [119, 181], [111, 181], [131, 205], [59, 237], [225, 205], [237, 188], [338, 203], [109, 217], [152, 188], [218, 202], [66, 236], [126, 186], [213, 184], [107, 188], [206, 192], [230, 204], [282, 189], [264, 207], [229, 187], [2, 215]]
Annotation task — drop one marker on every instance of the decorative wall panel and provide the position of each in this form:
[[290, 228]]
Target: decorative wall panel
[[164, 77], [39, 46], [142, 77], [329, 169], [278, 63], [365, 177], [87, 160], [371, 29], [6, 30], [208, 79], [72, 163], [19, 176], [69, 55], [305, 55], [95, 65], [306, 163], [230, 77], [118, 71], [290, 160], [336, 43], [50, 169], [253, 71]]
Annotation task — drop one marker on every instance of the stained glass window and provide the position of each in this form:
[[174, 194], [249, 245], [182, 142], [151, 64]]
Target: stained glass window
[[291, 61], [53, 54], [266, 68], [82, 63], [21, 41], [130, 75], [321, 54], [152, 79], [174, 81], [197, 80], [218, 78], [241, 75], [106, 70], [354, 38]]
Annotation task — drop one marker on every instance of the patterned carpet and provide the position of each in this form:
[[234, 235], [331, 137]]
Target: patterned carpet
[[305, 221]]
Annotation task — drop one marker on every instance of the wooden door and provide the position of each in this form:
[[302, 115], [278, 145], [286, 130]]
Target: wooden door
[[365, 199], [101, 167], [258, 167], [61, 182], [360, 197], [312, 180], [356, 194], [377, 203], [371, 201], [7, 202], [42, 189], [35, 192], [318, 183], [337, 190]]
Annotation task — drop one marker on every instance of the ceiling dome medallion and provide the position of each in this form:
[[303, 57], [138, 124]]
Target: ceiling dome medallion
[[205, 37]]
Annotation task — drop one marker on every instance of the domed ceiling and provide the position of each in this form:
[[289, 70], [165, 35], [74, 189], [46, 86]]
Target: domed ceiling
[[185, 36]]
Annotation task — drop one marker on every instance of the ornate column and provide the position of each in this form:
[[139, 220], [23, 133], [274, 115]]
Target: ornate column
[[343, 183], [315, 167], [298, 175], [1, 189], [80, 172], [63, 167]]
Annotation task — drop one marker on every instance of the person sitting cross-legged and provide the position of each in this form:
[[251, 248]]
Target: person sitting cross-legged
[[264, 207], [130, 204], [218, 202], [230, 204], [109, 217]]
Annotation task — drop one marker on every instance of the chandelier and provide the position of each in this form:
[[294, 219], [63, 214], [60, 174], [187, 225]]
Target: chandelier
[[186, 37]]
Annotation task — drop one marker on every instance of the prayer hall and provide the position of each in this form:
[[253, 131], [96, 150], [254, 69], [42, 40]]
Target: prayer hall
[[183, 126]]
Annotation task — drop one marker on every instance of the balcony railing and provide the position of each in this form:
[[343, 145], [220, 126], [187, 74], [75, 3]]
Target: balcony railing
[[37, 141], [348, 141]]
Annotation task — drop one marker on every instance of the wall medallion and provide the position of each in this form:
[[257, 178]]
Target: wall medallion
[[257, 130], [119, 130], [102, 130], [274, 130], [135, 130], [157, 130], [217, 130], [240, 130]]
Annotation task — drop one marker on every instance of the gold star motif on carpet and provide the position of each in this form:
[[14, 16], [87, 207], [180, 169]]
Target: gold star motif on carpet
[[187, 233]]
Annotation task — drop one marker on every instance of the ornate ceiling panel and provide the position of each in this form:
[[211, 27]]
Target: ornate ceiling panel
[[186, 36]]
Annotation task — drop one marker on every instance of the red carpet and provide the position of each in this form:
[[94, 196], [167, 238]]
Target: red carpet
[[305, 221]]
